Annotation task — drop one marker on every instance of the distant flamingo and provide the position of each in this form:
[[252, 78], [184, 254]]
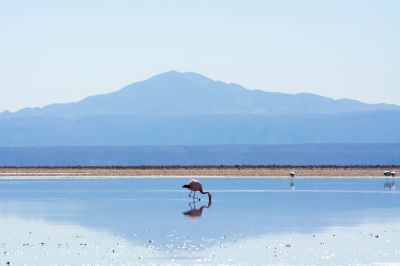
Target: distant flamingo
[[390, 185], [193, 186], [292, 185]]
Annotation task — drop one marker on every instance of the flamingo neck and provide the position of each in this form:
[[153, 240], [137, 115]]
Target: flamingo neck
[[208, 193]]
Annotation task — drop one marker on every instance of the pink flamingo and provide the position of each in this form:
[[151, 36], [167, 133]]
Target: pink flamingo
[[193, 186]]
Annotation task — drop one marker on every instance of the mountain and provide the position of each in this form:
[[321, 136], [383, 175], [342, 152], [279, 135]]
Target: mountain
[[175, 93], [128, 130], [189, 109]]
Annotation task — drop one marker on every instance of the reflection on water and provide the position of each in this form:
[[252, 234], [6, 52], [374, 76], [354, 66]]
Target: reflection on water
[[292, 186], [34, 242], [390, 185], [247, 216], [194, 212]]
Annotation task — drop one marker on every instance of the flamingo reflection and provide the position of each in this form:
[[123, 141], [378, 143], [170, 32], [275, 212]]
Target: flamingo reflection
[[194, 212]]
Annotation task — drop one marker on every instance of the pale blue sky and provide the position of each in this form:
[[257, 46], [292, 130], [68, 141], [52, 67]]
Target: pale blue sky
[[60, 51]]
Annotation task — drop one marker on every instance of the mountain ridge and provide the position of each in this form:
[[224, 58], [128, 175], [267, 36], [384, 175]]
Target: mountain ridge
[[175, 92]]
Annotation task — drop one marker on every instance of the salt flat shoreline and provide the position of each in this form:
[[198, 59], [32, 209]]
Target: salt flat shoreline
[[195, 171]]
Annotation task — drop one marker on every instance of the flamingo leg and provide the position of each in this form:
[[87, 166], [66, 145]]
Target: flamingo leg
[[194, 197], [190, 194]]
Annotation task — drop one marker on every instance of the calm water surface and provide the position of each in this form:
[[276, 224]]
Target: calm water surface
[[157, 214]]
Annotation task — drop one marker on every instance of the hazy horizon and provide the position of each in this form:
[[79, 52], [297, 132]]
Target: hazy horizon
[[62, 52]]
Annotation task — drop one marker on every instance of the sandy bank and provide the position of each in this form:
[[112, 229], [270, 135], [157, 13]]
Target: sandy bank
[[212, 171]]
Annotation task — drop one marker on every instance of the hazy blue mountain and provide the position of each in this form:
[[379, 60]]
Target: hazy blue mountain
[[127, 130], [178, 93], [189, 109]]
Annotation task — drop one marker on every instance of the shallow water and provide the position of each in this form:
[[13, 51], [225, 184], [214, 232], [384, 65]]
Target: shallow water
[[250, 221]]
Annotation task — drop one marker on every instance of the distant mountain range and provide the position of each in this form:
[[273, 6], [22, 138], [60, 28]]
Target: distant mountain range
[[175, 93], [189, 109]]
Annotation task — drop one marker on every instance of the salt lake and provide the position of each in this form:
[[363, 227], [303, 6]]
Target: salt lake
[[152, 221]]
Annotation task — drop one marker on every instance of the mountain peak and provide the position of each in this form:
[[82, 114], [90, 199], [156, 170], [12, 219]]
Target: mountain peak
[[176, 75]]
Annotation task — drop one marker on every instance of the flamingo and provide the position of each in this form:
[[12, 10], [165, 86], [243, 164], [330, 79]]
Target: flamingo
[[390, 185], [193, 186], [292, 175]]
